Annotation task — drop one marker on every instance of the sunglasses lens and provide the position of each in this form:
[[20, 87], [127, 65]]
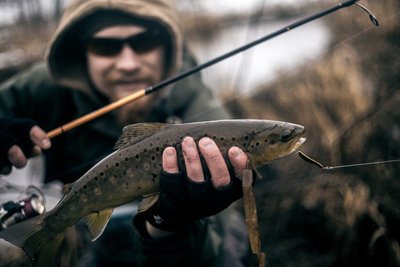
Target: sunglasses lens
[[104, 46], [146, 41]]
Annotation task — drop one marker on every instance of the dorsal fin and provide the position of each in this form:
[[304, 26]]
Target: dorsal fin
[[136, 132]]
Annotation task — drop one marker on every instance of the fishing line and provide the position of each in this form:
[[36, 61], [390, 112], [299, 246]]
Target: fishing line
[[328, 168]]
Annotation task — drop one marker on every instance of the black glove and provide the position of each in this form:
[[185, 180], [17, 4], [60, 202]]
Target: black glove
[[14, 131], [182, 201]]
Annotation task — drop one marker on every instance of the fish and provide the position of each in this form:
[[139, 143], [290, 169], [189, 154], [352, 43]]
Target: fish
[[132, 172]]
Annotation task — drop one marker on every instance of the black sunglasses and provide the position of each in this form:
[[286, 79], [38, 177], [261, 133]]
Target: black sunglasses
[[140, 43]]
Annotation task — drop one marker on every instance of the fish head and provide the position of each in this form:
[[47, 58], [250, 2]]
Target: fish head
[[276, 140]]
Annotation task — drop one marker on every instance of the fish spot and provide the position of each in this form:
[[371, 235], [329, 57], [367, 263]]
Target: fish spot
[[233, 139], [246, 138], [116, 164], [222, 138], [113, 180], [85, 187], [96, 178], [146, 166], [137, 156], [153, 158], [139, 188], [126, 159], [102, 174], [158, 149], [84, 198], [151, 144], [97, 191]]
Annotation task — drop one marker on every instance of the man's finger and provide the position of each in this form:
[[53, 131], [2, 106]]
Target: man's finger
[[17, 157], [191, 156], [39, 137], [238, 160], [170, 161], [215, 162]]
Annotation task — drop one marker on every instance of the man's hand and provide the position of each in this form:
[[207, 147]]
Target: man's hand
[[19, 140], [220, 175], [185, 198]]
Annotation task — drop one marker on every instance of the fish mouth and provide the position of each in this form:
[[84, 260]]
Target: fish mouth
[[298, 144]]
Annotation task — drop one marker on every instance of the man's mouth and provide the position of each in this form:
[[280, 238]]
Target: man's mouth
[[131, 85]]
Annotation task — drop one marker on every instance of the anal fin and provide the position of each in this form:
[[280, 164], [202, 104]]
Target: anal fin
[[96, 222]]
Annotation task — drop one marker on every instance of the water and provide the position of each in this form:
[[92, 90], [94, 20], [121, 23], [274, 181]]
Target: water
[[264, 62]]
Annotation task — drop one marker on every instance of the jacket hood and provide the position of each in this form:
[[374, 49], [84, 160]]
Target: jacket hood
[[65, 57]]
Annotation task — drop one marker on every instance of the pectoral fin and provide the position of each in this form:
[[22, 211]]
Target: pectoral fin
[[96, 222], [147, 202]]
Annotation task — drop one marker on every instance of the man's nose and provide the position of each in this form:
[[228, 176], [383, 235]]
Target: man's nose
[[128, 59]]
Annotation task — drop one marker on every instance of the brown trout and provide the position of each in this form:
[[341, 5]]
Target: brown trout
[[132, 172]]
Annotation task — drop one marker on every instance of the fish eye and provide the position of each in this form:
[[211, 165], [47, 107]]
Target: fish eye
[[285, 136]]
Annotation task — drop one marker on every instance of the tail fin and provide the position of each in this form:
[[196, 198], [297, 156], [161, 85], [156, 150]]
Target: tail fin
[[41, 245]]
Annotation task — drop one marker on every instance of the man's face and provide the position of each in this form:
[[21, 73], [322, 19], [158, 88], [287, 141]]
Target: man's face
[[125, 71]]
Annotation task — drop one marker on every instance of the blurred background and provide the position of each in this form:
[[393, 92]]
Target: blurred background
[[338, 76]]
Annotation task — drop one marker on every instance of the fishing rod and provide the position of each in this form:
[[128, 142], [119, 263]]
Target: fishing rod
[[130, 98]]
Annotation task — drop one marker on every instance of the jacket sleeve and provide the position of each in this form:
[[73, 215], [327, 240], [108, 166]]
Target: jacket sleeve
[[32, 94]]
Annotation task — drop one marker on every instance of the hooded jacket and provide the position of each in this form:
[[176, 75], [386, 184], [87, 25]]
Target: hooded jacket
[[83, 17]]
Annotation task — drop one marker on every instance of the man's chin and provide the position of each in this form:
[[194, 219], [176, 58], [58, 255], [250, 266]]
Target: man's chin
[[128, 115]]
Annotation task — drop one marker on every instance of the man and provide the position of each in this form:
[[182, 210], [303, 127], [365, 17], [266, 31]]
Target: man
[[103, 51]]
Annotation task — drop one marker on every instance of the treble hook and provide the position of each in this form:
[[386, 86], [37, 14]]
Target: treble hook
[[372, 17]]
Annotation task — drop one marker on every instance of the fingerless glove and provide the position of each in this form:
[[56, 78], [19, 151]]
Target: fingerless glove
[[14, 131], [182, 201]]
